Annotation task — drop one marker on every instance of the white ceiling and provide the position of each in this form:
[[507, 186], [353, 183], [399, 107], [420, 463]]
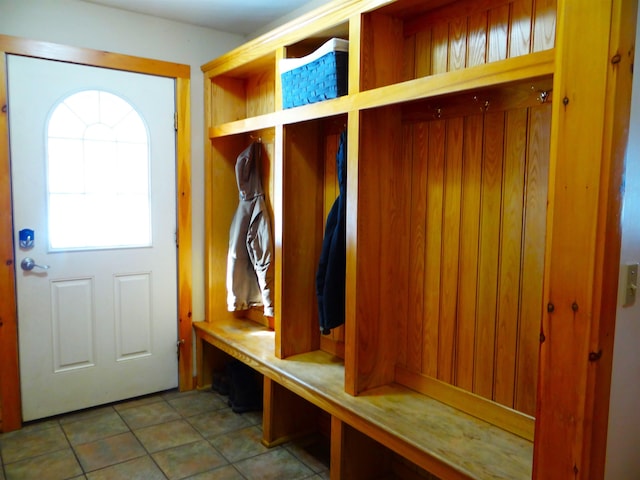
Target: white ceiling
[[236, 16]]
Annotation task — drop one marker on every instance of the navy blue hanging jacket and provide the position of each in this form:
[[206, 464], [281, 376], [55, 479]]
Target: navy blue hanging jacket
[[330, 277]]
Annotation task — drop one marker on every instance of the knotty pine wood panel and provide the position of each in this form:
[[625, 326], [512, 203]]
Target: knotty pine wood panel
[[479, 32], [477, 39], [534, 224], [230, 100], [381, 41], [439, 48], [410, 352], [435, 202], [489, 252], [544, 25], [469, 237], [477, 231], [520, 31], [450, 248], [498, 33], [423, 61], [457, 44], [260, 91], [509, 286]]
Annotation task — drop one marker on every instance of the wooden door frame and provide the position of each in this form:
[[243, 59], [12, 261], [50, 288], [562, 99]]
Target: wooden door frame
[[10, 402]]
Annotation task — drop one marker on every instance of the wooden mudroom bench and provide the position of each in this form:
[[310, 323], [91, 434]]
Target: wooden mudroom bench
[[438, 438], [482, 213]]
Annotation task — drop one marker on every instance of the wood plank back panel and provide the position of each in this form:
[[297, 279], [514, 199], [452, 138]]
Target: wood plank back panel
[[477, 233], [455, 37], [532, 256], [260, 90], [224, 203], [435, 183], [468, 266]]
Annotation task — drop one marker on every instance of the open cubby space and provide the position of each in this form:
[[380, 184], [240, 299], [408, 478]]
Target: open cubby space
[[312, 42], [222, 203], [308, 191], [451, 222], [244, 92], [440, 37]]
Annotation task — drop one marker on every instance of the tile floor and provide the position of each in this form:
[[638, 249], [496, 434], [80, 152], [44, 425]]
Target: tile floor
[[191, 435]]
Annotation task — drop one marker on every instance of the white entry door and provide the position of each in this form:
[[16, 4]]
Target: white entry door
[[93, 175]]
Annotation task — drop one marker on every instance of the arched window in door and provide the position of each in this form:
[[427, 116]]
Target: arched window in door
[[98, 174]]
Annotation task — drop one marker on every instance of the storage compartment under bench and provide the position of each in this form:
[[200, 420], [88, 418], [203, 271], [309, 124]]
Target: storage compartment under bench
[[389, 427]]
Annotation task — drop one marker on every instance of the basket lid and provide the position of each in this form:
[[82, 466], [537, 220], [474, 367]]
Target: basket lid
[[333, 45]]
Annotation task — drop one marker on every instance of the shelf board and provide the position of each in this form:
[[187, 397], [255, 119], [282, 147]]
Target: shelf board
[[314, 111], [512, 70], [243, 126]]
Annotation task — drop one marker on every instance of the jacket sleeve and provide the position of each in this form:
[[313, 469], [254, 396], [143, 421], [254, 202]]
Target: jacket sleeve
[[260, 248]]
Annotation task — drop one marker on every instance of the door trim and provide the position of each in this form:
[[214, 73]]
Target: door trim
[[10, 401]]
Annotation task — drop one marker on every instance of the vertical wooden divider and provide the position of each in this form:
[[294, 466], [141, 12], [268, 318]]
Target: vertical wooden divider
[[581, 190], [302, 196], [380, 274]]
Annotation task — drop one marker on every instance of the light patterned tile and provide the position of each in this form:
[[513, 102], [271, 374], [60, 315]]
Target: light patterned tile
[[314, 452], [141, 468], [240, 444], [38, 425], [151, 414], [274, 465], [223, 473], [167, 435], [109, 451], [187, 460], [216, 423], [98, 427], [85, 414], [194, 403], [254, 418], [174, 393], [139, 402], [321, 476], [31, 442], [52, 466]]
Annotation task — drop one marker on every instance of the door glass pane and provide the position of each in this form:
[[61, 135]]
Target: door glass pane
[[97, 174]]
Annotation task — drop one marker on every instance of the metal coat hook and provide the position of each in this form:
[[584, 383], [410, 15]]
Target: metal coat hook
[[485, 106], [543, 95]]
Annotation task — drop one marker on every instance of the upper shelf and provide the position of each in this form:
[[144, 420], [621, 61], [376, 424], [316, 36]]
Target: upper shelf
[[512, 71]]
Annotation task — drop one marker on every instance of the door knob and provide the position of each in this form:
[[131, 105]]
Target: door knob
[[29, 264]]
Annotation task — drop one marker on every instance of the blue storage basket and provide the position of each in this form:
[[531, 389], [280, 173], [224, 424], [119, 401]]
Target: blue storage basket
[[323, 78]]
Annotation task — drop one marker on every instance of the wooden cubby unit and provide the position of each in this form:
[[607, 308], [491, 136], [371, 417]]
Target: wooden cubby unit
[[476, 277]]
